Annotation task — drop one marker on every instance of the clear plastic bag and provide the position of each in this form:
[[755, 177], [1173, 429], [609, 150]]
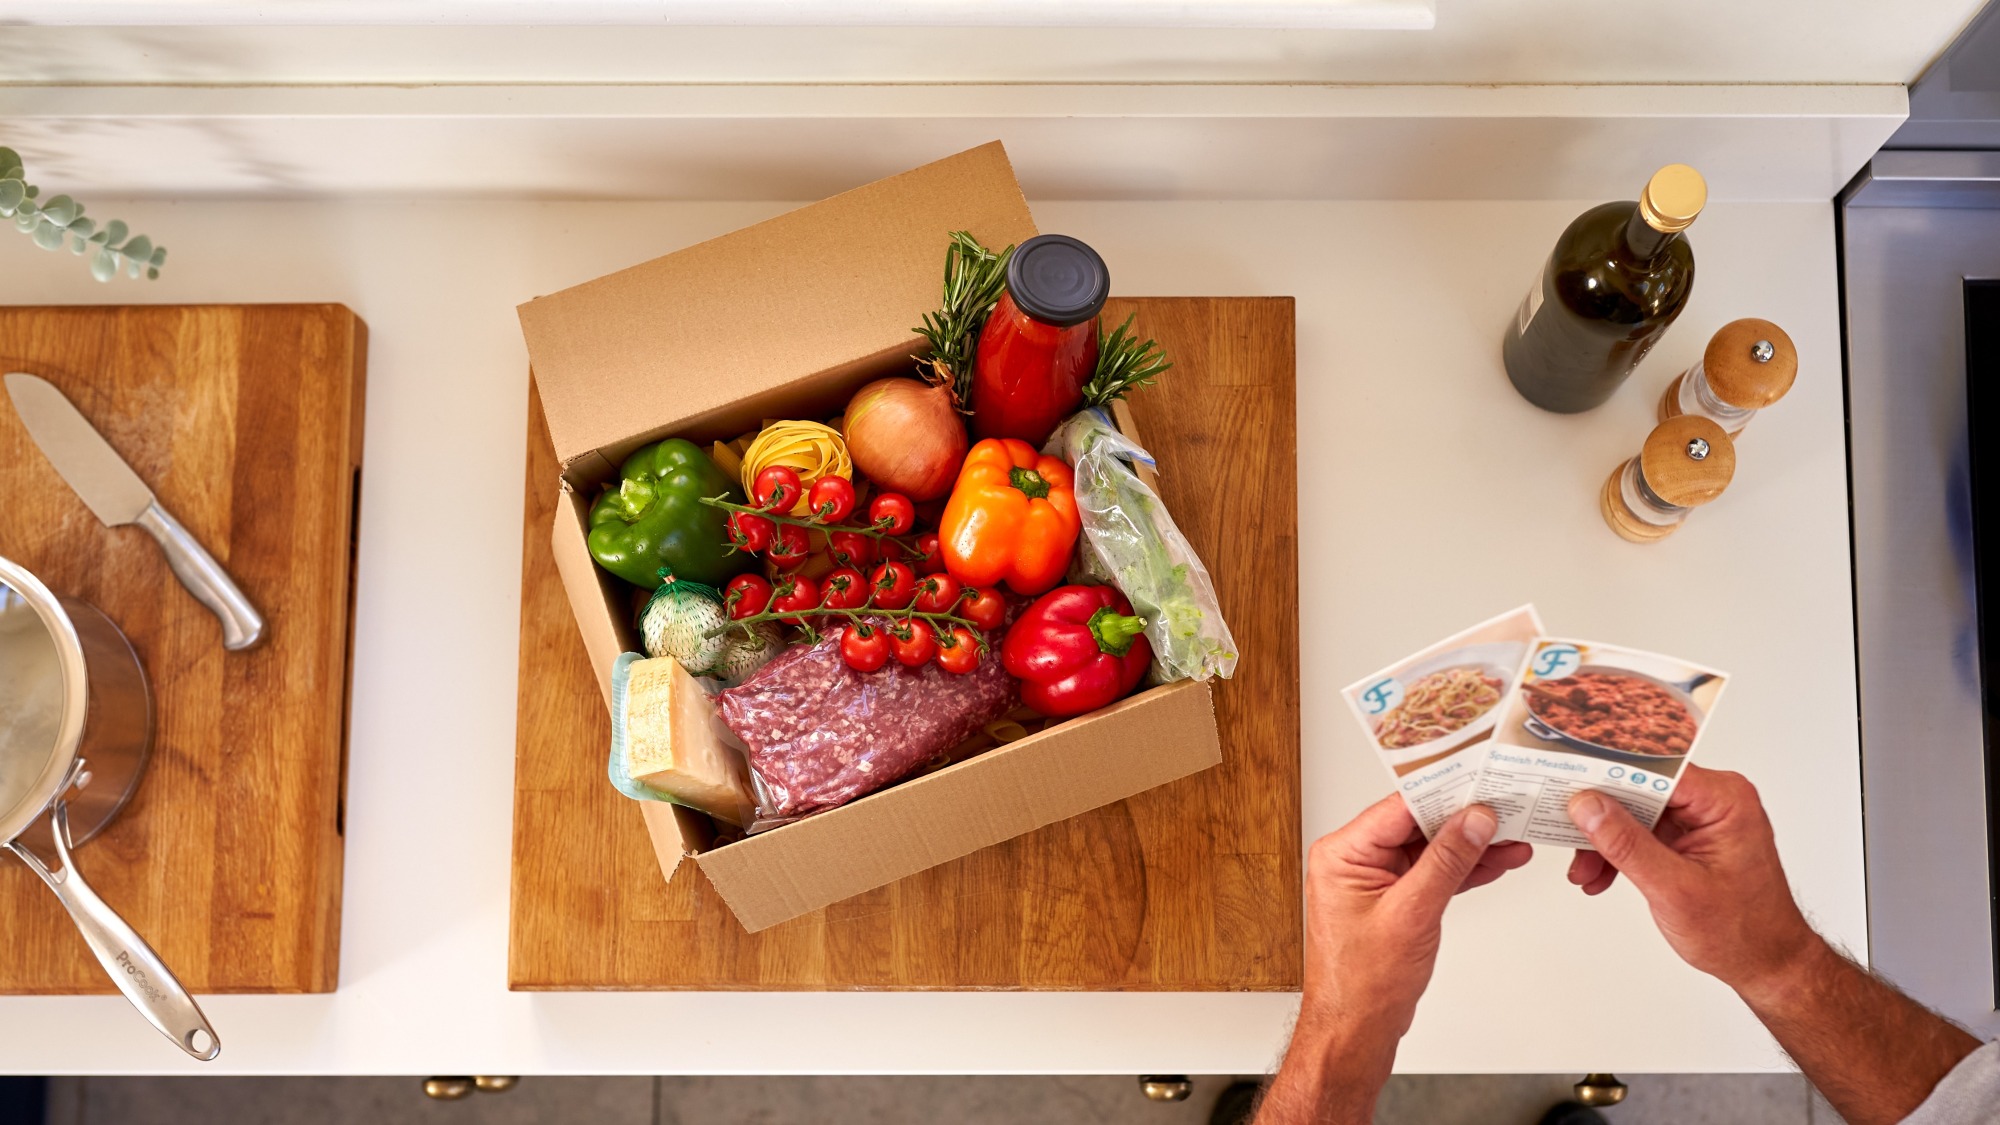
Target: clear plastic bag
[[1131, 542], [819, 734]]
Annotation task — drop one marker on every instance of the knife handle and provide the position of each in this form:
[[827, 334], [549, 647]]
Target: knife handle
[[242, 626]]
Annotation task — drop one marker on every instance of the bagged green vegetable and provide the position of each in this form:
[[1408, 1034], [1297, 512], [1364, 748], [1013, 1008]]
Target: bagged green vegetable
[[1131, 542]]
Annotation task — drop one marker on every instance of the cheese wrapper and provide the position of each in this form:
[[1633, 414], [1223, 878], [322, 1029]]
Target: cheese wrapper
[[665, 746]]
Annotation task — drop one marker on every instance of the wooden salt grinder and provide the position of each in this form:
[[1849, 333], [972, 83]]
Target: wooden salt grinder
[[1748, 365], [1687, 461]]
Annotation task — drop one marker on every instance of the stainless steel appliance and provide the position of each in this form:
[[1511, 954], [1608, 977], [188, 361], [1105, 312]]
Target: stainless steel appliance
[[1920, 266]]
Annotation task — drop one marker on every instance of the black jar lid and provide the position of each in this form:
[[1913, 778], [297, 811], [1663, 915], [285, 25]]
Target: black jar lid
[[1058, 280]]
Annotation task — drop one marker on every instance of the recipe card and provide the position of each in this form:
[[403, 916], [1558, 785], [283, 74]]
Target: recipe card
[[1520, 722], [1593, 716], [1428, 714]]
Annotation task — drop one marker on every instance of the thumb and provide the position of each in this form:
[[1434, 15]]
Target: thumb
[[1449, 858], [1621, 841]]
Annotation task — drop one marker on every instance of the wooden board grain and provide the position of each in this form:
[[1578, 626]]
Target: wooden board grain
[[1188, 887], [246, 423]]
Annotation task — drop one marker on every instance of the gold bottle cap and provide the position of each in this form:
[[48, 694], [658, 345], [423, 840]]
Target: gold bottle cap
[[1750, 363], [1672, 199], [1687, 461]]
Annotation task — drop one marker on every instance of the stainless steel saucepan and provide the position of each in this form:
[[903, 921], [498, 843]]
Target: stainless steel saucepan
[[76, 728]]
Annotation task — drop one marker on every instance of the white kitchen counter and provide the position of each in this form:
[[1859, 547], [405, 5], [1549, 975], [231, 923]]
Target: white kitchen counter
[[1431, 497]]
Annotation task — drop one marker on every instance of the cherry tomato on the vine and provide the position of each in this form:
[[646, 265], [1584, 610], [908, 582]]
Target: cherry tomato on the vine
[[851, 548], [790, 548], [844, 589], [893, 584], [893, 513], [794, 593], [776, 489], [937, 593], [913, 642], [865, 647], [746, 596], [930, 559], [959, 652], [831, 499], [984, 607], [751, 533]]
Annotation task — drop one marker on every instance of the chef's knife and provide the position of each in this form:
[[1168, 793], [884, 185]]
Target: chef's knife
[[116, 495]]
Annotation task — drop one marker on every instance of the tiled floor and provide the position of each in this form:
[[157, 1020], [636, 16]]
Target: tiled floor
[[1413, 1100]]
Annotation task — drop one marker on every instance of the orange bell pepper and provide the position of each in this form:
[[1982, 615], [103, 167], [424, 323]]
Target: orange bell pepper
[[1011, 518]]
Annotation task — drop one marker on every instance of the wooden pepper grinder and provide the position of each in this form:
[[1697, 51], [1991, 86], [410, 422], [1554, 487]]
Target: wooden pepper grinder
[[1748, 365], [1687, 461]]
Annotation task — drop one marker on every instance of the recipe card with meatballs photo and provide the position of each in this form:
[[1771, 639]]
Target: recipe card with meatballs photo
[[1592, 716], [1429, 714]]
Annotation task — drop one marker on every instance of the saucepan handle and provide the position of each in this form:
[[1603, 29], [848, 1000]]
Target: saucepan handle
[[133, 966], [1542, 730]]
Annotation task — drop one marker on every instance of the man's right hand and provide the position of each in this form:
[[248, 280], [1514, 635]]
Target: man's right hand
[[1710, 873]]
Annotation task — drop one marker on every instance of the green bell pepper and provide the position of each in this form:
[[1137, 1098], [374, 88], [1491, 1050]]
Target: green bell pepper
[[655, 518]]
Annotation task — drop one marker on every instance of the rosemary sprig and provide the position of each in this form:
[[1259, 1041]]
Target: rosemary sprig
[[1124, 364], [974, 278]]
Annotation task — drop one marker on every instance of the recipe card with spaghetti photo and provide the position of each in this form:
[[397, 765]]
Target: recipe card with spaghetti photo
[[1592, 716], [1428, 714]]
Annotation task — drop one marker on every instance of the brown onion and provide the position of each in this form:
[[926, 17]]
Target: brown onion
[[906, 436]]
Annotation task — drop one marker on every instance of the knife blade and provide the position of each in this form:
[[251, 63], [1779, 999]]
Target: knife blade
[[117, 497]]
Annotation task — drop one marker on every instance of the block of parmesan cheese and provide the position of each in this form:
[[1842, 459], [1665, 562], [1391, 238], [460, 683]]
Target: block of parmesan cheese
[[663, 738]]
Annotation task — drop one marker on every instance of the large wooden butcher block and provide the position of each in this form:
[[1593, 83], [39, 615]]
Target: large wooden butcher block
[[1194, 885]]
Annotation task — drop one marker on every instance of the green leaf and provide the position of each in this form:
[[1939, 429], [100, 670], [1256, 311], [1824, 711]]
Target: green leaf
[[152, 275], [78, 244], [159, 256], [33, 191], [104, 266], [12, 192], [48, 236], [81, 227], [9, 158], [139, 249], [61, 210], [115, 232], [26, 220]]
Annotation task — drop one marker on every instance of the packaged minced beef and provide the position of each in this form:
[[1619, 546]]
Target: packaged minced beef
[[820, 734]]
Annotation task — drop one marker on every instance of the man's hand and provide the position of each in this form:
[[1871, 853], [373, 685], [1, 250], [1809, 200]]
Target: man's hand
[[1710, 872], [1375, 899]]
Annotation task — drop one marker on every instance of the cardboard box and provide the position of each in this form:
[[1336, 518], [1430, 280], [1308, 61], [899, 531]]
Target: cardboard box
[[787, 319]]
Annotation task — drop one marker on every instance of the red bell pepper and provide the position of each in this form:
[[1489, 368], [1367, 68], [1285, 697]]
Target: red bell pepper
[[1076, 649]]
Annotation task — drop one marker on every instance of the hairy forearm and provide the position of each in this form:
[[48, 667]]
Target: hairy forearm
[[1332, 1074], [1874, 1052]]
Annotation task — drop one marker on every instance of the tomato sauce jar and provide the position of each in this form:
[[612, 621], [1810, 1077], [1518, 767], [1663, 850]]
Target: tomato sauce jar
[[1039, 348]]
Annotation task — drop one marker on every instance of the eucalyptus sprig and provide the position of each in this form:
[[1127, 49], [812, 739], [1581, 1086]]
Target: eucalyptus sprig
[[1124, 364], [60, 222], [974, 278]]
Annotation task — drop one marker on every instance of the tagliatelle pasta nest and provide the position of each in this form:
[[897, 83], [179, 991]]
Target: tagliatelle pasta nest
[[814, 449]]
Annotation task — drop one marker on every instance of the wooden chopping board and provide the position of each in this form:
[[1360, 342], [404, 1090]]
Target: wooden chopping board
[[1188, 887], [245, 420]]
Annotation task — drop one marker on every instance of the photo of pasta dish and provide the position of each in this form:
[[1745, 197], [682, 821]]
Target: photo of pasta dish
[[1620, 712], [1437, 705]]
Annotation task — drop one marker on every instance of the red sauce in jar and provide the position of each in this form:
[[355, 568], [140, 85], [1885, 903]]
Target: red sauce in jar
[[1039, 348]]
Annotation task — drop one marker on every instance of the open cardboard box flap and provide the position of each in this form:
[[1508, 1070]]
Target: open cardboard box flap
[[703, 340], [786, 319]]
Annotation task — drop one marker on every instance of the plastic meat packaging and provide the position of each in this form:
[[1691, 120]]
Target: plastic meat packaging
[[819, 734], [1131, 542]]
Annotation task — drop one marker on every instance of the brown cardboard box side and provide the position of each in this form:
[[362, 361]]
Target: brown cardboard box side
[[861, 268]]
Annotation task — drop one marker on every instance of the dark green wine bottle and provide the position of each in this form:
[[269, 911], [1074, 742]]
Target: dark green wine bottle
[[1618, 276]]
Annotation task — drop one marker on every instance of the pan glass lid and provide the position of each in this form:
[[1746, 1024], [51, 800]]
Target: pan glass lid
[[31, 698]]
